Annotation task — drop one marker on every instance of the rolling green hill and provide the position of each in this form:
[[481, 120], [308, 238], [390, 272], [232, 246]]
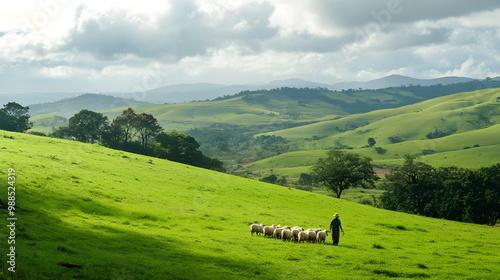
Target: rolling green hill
[[47, 123], [87, 212], [273, 106], [263, 107], [466, 129], [90, 101], [259, 109]]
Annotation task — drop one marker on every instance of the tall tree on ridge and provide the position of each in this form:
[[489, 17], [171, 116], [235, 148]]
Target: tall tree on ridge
[[340, 171], [87, 126], [147, 127], [128, 122]]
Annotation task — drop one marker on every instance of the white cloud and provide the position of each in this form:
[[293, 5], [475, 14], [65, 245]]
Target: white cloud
[[115, 45], [473, 69]]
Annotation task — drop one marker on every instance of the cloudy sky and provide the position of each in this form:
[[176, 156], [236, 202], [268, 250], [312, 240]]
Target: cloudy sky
[[125, 46]]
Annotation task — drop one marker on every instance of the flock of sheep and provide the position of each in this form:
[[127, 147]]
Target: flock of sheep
[[287, 234]]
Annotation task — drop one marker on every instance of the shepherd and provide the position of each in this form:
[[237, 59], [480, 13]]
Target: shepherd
[[335, 227]]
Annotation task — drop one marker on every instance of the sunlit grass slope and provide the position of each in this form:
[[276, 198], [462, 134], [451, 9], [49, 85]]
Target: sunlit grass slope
[[124, 216]]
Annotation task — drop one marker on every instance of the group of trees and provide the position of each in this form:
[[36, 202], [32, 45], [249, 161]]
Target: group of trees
[[137, 133], [14, 117], [448, 192]]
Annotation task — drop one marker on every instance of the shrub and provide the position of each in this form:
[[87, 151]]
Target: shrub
[[380, 150], [437, 133], [428, 152], [269, 179], [395, 139], [366, 201], [36, 133]]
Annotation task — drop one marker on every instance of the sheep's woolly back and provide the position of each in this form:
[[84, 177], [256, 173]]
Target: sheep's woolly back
[[286, 235], [256, 228], [321, 236], [277, 233], [303, 236], [311, 236], [268, 231]]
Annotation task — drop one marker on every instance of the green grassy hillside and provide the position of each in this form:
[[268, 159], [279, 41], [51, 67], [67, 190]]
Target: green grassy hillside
[[277, 105], [233, 111], [47, 123], [90, 101], [454, 113], [469, 124], [113, 215]]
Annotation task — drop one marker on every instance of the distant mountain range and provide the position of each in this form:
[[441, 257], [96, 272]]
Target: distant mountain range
[[202, 91], [397, 81]]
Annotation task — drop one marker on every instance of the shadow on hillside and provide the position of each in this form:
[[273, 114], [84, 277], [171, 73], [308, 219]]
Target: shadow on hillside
[[50, 248]]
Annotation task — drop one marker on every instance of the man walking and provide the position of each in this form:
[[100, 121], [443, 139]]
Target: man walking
[[335, 226]]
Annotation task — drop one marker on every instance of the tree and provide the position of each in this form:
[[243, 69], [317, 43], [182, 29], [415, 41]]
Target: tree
[[183, 148], [87, 126], [371, 142], [112, 137], [147, 127], [407, 189], [269, 179], [488, 202], [14, 117], [128, 122], [281, 181], [305, 179], [340, 171]]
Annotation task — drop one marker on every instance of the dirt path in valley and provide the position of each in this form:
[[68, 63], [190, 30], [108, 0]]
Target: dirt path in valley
[[381, 172]]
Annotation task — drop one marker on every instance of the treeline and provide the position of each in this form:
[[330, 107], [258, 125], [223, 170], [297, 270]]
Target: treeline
[[136, 133], [447, 192]]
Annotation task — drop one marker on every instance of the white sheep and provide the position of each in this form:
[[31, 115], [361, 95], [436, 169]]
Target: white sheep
[[256, 228], [299, 228], [277, 233], [268, 230], [286, 235], [295, 233], [303, 236], [321, 236], [311, 235]]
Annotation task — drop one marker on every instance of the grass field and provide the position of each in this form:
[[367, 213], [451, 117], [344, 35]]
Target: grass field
[[87, 212]]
